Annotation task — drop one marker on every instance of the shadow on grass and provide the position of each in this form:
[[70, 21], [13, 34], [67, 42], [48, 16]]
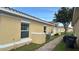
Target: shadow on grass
[[61, 47], [29, 47]]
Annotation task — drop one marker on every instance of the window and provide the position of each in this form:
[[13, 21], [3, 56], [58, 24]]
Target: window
[[44, 29], [24, 30]]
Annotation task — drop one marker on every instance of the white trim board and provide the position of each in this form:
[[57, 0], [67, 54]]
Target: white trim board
[[37, 33], [25, 40], [25, 21]]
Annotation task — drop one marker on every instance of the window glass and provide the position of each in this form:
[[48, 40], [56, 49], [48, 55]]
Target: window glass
[[24, 26], [24, 34], [24, 30], [45, 29]]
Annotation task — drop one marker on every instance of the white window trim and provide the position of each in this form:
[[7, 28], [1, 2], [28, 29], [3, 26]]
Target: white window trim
[[45, 25], [25, 21], [24, 30]]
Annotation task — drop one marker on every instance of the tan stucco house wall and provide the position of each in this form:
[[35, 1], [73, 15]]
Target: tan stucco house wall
[[10, 28], [37, 31], [58, 29]]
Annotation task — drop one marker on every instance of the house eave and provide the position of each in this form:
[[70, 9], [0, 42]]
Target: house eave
[[14, 12]]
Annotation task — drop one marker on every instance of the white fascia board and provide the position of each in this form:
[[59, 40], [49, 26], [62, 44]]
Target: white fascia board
[[22, 15]]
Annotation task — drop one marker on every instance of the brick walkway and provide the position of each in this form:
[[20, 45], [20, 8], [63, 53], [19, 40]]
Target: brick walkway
[[50, 45]]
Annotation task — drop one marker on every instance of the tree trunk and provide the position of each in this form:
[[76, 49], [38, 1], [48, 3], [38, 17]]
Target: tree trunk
[[65, 27], [65, 30]]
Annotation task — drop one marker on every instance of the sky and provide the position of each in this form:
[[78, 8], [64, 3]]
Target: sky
[[44, 13]]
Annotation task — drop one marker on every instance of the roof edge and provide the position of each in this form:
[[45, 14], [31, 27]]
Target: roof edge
[[21, 14]]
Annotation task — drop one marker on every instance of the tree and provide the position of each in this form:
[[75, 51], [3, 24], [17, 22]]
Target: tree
[[64, 16]]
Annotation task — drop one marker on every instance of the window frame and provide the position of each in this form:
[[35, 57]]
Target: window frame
[[45, 28], [25, 30]]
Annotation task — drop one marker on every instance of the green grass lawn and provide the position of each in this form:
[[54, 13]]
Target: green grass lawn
[[33, 46], [52, 37], [61, 47], [29, 47]]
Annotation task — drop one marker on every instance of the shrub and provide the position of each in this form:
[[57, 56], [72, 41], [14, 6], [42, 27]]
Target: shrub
[[48, 36], [56, 34], [70, 34], [62, 33]]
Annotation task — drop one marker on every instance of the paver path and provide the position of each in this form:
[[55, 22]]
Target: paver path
[[50, 45]]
